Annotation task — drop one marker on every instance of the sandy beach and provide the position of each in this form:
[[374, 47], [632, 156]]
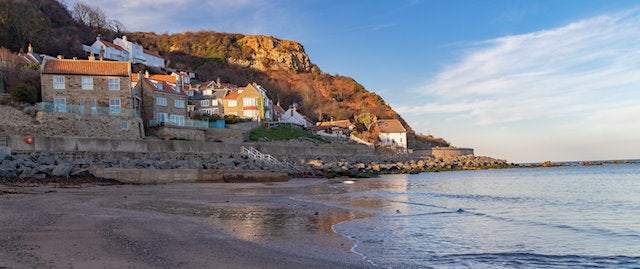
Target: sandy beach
[[207, 225]]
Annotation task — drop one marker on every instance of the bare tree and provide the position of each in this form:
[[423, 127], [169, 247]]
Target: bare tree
[[117, 26], [89, 15]]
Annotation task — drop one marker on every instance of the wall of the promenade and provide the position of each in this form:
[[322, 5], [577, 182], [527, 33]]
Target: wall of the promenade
[[112, 147]]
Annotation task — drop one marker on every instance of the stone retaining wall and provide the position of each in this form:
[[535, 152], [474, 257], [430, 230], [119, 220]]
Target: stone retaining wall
[[291, 150], [450, 152]]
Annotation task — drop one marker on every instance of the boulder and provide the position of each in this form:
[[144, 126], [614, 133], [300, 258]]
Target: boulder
[[62, 170], [27, 172], [80, 172], [47, 169], [46, 160], [8, 172]]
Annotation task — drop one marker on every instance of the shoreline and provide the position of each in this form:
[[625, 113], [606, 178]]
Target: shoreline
[[203, 225]]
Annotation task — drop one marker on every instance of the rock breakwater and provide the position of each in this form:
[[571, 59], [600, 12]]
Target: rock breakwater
[[42, 166]]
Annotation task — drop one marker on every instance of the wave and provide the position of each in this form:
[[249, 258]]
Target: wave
[[533, 260]]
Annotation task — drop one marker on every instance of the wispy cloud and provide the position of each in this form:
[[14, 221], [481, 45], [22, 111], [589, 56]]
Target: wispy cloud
[[567, 71]]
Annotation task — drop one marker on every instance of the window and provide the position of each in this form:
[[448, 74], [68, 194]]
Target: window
[[114, 106], [59, 105], [249, 101], [162, 117], [58, 82], [178, 103], [161, 101], [232, 103], [124, 125], [114, 84], [214, 102], [207, 111], [207, 92], [189, 93], [177, 120], [250, 113], [204, 103], [87, 83]]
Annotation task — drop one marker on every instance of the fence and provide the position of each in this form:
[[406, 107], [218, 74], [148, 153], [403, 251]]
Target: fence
[[88, 110]]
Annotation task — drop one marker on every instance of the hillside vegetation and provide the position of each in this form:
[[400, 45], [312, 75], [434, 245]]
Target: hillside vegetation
[[281, 66]]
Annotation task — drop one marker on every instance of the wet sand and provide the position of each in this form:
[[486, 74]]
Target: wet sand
[[207, 225]]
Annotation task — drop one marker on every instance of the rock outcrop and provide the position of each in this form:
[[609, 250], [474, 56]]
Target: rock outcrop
[[271, 53]]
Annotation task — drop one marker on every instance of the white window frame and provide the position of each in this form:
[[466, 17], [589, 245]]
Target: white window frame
[[58, 82], [252, 113], [214, 102], [161, 101], [232, 103], [59, 104], [179, 103], [114, 84], [162, 117], [204, 103], [248, 101], [87, 83], [115, 106], [176, 120]]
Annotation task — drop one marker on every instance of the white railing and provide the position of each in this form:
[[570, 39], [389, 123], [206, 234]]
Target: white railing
[[255, 154]]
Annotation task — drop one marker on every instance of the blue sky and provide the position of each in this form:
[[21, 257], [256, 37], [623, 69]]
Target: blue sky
[[526, 81]]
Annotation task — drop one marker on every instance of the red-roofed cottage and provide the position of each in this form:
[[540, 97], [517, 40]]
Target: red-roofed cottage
[[87, 85], [162, 104]]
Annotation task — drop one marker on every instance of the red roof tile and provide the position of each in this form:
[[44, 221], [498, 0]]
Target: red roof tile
[[152, 53], [86, 67], [109, 44]]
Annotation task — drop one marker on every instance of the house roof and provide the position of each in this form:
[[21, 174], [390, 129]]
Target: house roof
[[165, 78], [234, 94], [335, 123], [164, 87], [152, 53], [278, 109], [109, 44], [391, 126], [86, 67]]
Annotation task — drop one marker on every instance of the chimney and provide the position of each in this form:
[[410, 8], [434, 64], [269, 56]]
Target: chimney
[[139, 77], [146, 73], [92, 57], [75, 58], [218, 82], [30, 48], [60, 57], [124, 37]]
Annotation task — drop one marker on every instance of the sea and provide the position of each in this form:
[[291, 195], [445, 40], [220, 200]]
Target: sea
[[561, 217]]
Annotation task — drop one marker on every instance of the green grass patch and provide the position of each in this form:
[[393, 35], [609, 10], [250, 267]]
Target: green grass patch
[[282, 132]]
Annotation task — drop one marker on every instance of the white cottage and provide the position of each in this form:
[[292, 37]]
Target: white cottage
[[107, 50], [292, 116], [138, 54], [392, 133]]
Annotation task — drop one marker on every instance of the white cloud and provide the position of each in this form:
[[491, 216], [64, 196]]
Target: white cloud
[[540, 75]]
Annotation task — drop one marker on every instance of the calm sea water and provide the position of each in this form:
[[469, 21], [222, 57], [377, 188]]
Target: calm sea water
[[564, 217]]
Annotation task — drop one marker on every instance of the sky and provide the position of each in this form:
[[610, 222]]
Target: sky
[[521, 80]]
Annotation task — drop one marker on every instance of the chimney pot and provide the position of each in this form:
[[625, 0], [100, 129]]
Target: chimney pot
[[60, 57], [92, 57]]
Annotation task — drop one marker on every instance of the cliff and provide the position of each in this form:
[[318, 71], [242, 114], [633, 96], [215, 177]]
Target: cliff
[[273, 54]]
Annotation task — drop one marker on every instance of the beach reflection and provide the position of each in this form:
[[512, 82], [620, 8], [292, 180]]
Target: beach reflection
[[364, 195], [255, 223]]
